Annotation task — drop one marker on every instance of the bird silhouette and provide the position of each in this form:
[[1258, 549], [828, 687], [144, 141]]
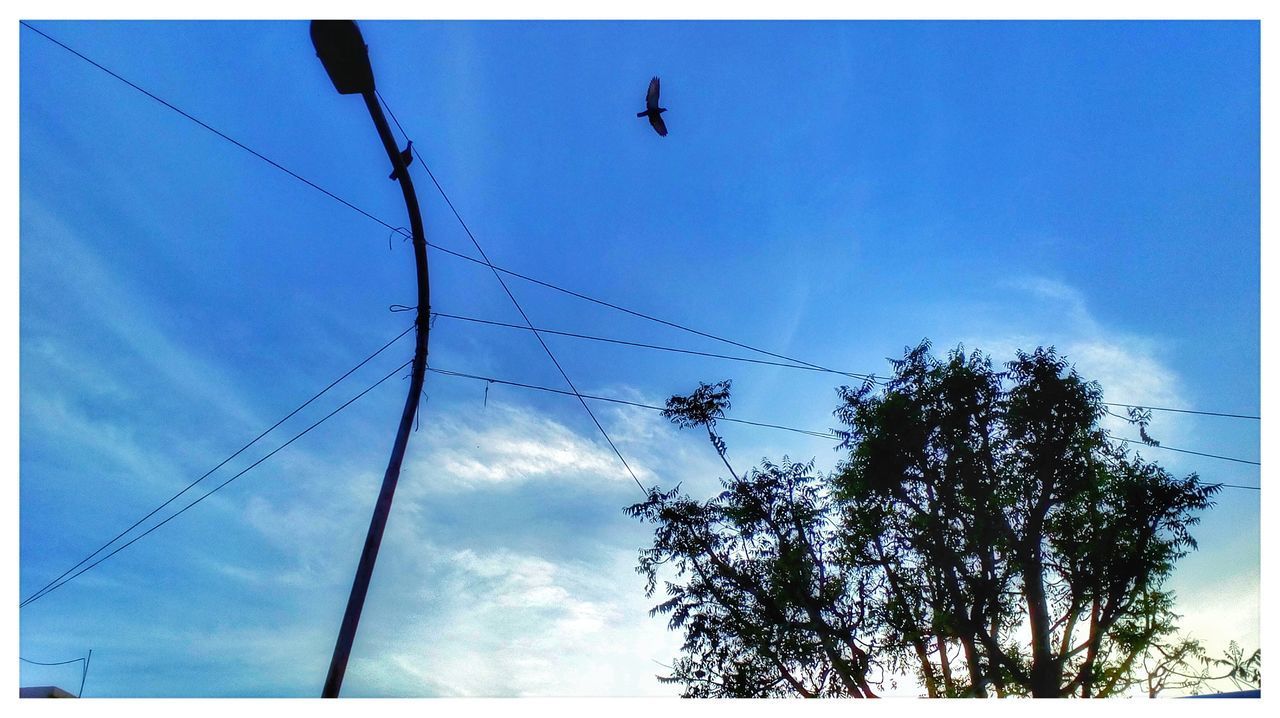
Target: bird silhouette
[[406, 156], [652, 111]]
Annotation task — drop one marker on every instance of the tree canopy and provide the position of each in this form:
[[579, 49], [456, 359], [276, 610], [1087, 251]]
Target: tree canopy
[[983, 534]]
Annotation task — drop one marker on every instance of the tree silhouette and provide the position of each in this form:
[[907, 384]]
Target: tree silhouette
[[976, 508], [764, 610]]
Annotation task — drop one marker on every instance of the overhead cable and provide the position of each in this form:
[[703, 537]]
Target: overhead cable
[[222, 463], [827, 435], [37, 596]]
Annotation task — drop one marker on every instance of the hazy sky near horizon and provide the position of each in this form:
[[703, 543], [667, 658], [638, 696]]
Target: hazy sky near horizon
[[833, 191]]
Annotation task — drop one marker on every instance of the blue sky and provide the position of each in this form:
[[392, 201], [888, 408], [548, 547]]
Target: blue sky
[[833, 191]]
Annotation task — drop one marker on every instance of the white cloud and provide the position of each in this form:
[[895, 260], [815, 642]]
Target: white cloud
[[505, 622], [510, 444], [1127, 366], [113, 446], [1061, 295], [446, 616]]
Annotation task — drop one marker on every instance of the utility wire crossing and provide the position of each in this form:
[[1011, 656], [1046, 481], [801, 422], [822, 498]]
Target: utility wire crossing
[[612, 400], [422, 161], [56, 584], [222, 463], [785, 365], [643, 345], [525, 277], [821, 435]]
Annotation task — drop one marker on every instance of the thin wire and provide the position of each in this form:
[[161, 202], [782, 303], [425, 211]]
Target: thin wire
[[215, 489], [642, 345], [804, 364], [200, 122], [206, 474], [518, 275], [1182, 411], [58, 663], [1158, 445], [806, 367], [423, 162], [1187, 451], [612, 400], [828, 435], [642, 315]]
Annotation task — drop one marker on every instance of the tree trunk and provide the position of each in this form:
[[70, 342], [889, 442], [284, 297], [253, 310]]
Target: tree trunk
[[1046, 669]]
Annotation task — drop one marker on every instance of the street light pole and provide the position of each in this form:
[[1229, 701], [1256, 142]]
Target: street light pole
[[341, 48]]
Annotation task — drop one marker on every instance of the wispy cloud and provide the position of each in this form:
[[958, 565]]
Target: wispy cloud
[[476, 603], [510, 444], [1129, 367], [104, 296], [505, 622]]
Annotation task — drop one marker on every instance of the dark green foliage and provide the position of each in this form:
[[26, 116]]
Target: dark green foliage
[[764, 610], [1002, 502], [975, 505], [701, 408]]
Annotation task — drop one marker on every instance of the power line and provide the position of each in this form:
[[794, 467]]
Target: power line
[[57, 663], [214, 490], [612, 400], [794, 362], [649, 317], [518, 275], [643, 345], [512, 297], [806, 367], [1183, 411], [84, 669], [222, 463], [1158, 445], [827, 435], [1187, 451], [203, 124]]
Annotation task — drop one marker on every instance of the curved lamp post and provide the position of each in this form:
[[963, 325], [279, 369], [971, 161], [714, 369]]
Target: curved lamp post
[[341, 48]]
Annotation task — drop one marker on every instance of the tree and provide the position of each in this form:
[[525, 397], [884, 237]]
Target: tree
[[976, 507], [995, 501], [764, 609]]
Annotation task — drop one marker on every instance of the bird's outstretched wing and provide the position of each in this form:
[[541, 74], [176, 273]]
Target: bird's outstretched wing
[[656, 120], [651, 99]]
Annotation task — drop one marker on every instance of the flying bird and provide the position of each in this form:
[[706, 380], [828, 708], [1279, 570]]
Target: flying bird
[[652, 111], [406, 156]]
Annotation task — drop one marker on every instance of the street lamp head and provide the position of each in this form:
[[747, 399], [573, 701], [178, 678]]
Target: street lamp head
[[345, 56]]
